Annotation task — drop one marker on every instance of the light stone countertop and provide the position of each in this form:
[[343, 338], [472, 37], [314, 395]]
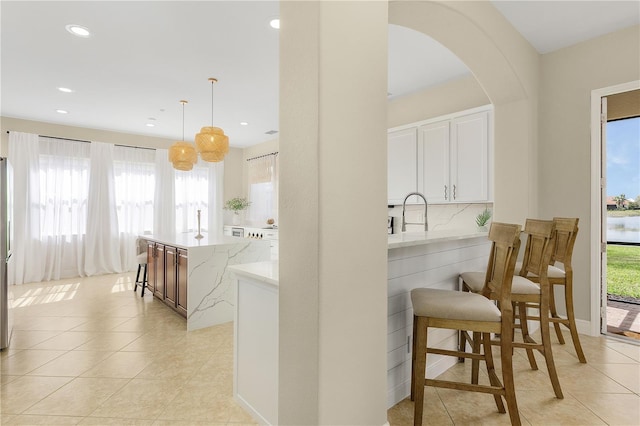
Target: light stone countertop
[[409, 239], [266, 272], [188, 239]]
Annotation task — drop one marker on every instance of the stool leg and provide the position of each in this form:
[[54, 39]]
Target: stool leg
[[548, 354], [491, 369], [524, 327], [144, 279], [554, 314], [419, 370], [135, 287], [568, 297]]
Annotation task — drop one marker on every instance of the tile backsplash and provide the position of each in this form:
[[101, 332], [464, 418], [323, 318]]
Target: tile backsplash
[[440, 216]]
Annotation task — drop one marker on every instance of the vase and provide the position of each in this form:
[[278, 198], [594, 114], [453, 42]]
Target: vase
[[236, 218]]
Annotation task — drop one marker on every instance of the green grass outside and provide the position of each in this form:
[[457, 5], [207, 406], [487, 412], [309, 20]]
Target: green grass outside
[[623, 270], [623, 213]]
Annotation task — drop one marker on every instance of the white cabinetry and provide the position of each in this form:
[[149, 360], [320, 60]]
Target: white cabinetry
[[402, 175], [447, 160], [434, 161]]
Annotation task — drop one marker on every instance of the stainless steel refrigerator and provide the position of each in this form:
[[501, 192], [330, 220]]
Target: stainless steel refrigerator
[[6, 239]]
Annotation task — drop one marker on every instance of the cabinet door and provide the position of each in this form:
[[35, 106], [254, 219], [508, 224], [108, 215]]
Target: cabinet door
[[182, 281], [159, 286], [151, 266], [433, 162], [401, 165], [170, 284], [469, 165]]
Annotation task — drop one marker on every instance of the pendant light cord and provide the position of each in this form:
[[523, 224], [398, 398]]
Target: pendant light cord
[[183, 102]]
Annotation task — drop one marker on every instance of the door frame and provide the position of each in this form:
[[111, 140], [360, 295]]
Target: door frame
[[598, 176]]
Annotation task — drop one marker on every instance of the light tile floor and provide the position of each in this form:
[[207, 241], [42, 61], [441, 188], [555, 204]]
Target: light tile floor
[[91, 351]]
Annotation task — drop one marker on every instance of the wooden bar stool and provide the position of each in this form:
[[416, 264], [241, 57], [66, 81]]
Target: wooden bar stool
[[566, 233], [468, 311], [141, 246], [537, 255]]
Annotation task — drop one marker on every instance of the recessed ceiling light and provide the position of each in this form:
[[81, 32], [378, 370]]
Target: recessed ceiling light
[[275, 23], [78, 30], [244, 123], [61, 111], [65, 89], [151, 125]]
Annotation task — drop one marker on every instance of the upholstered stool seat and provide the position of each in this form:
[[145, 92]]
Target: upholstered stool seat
[[552, 272], [474, 282], [453, 305]]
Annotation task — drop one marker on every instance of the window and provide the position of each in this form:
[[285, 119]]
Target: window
[[263, 188], [64, 188], [192, 194], [134, 174]]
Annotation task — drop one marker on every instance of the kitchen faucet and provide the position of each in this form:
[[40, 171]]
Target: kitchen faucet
[[404, 204]]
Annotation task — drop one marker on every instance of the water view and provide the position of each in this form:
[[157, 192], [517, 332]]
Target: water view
[[624, 229]]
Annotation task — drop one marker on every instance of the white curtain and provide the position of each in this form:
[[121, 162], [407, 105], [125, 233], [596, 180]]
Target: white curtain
[[24, 157], [64, 191], [164, 213], [216, 196], [102, 246], [134, 172], [263, 188]]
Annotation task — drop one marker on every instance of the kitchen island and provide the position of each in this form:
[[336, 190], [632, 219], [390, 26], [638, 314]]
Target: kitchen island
[[423, 259], [191, 275]]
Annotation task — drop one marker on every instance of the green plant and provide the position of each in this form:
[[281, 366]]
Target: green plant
[[483, 218], [237, 204]]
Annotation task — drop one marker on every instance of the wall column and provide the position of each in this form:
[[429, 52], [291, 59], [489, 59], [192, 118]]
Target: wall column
[[333, 115]]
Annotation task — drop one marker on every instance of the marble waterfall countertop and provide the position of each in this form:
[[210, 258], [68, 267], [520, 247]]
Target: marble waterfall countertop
[[210, 285]]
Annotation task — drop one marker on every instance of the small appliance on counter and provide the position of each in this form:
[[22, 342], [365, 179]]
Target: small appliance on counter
[[389, 224]]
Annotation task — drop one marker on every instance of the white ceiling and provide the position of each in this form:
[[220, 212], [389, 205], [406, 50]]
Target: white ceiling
[[144, 57]]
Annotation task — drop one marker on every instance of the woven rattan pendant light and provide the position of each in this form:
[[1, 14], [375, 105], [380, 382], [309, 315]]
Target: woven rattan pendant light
[[212, 144], [183, 154]]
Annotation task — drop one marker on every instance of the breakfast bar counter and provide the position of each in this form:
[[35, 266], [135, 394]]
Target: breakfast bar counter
[[421, 259], [192, 277]]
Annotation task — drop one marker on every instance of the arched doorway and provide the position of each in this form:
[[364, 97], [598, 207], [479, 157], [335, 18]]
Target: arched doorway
[[479, 36]]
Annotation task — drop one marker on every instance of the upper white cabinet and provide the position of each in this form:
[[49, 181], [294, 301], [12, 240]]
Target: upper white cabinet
[[402, 172], [434, 161], [451, 162]]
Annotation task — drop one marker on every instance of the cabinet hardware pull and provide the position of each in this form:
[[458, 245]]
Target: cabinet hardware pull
[[408, 344], [454, 192], [445, 192]]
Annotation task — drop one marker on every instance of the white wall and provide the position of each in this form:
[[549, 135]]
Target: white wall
[[567, 78], [453, 96]]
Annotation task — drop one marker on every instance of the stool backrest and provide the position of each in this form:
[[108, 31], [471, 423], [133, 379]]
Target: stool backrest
[[141, 246], [539, 248], [505, 238], [566, 233]]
